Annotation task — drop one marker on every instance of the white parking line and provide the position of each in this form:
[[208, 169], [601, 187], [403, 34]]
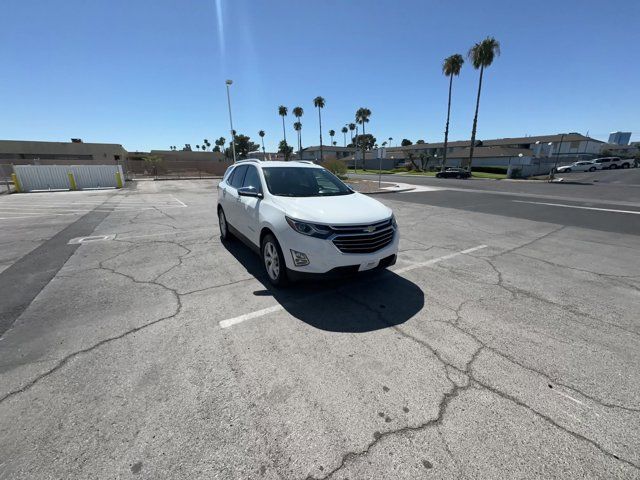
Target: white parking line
[[439, 259], [276, 308], [179, 201], [581, 207]]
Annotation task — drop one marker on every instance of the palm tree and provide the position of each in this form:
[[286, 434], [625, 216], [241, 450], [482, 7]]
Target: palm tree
[[481, 55], [362, 117], [282, 111], [344, 134], [332, 134], [206, 143], [384, 144], [261, 135], [297, 126], [197, 147], [450, 67], [318, 102], [352, 127], [204, 147], [298, 112], [390, 138]]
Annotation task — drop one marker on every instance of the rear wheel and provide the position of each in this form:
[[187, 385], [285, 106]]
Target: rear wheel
[[567, 170], [273, 261], [592, 169], [625, 165], [613, 167]]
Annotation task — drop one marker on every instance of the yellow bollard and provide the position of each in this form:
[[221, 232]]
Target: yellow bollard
[[72, 181], [16, 182], [118, 180]]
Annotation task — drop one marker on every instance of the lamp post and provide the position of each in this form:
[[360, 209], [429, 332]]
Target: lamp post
[[233, 132], [355, 153]]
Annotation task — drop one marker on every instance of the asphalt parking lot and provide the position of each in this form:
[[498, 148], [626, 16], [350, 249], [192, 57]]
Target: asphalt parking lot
[[505, 342]]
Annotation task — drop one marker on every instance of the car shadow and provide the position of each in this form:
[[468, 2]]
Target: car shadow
[[356, 304]]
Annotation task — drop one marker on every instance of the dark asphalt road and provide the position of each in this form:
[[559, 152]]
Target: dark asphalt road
[[614, 185]]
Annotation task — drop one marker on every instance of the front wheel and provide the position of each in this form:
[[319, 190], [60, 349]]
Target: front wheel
[[273, 261], [592, 169], [613, 167], [625, 165], [224, 226]]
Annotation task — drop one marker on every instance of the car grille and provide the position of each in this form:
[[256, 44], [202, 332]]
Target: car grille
[[363, 238]]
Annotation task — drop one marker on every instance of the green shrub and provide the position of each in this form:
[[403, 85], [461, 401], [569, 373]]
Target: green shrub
[[335, 166]]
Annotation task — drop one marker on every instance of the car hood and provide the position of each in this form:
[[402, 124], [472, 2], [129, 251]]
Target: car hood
[[341, 209]]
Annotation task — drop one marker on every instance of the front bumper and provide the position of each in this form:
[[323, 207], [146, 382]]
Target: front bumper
[[341, 272], [324, 257]]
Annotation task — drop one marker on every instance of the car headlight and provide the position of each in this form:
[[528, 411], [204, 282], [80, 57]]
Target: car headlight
[[393, 221], [309, 229]]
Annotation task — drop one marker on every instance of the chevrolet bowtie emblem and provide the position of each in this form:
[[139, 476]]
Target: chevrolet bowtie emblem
[[370, 229]]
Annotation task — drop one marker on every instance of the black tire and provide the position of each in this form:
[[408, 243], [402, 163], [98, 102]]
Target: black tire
[[592, 169], [458, 176], [625, 165], [566, 170], [613, 167], [225, 234], [273, 261]]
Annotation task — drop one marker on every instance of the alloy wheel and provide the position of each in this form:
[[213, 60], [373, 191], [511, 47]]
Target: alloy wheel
[[271, 260]]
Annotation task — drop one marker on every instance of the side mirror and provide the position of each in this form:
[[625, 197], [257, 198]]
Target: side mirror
[[249, 192]]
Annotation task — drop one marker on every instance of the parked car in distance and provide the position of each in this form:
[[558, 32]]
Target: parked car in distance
[[304, 221], [581, 166], [611, 163], [453, 173]]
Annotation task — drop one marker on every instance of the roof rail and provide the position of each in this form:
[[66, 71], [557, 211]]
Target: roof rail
[[255, 160], [305, 161]]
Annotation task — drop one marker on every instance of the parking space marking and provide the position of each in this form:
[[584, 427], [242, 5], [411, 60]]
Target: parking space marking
[[438, 259], [635, 212], [277, 308]]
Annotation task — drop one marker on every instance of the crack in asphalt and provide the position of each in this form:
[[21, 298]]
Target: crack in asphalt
[[67, 358], [467, 370]]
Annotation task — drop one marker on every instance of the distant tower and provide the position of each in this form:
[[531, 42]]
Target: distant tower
[[620, 138]]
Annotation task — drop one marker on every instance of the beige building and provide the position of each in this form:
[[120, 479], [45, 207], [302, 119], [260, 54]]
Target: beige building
[[75, 152]]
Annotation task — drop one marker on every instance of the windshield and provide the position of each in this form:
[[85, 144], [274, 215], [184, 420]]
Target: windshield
[[303, 182]]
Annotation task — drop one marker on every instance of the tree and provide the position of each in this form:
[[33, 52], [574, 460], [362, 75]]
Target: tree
[[219, 144], [406, 142], [282, 111], [352, 127], [206, 144], [344, 134], [451, 67], [481, 55], [390, 138], [332, 134], [298, 112], [297, 126], [365, 142], [197, 147], [419, 142], [334, 143], [319, 102], [262, 134], [285, 149], [384, 144], [362, 117], [244, 146]]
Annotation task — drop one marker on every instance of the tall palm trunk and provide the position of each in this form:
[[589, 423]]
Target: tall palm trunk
[[446, 129], [363, 149], [284, 131], [320, 122], [264, 152], [475, 119], [344, 134]]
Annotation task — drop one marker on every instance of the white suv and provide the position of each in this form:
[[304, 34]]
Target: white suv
[[304, 221], [611, 163]]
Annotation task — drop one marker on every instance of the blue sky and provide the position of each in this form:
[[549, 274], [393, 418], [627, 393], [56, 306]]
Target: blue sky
[[150, 73]]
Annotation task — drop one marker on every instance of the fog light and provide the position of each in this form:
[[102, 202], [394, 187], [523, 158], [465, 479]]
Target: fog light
[[299, 259]]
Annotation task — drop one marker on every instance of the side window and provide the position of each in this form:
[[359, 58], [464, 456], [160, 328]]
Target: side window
[[252, 178], [238, 176], [228, 175]]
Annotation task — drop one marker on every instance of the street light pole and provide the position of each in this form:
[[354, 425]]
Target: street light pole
[[233, 133]]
